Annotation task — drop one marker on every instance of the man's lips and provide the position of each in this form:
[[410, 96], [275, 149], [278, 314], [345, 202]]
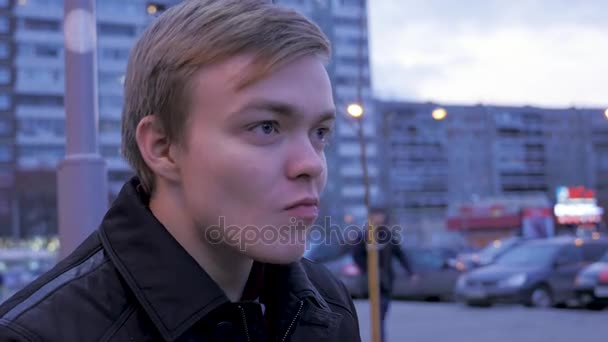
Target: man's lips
[[307, 208], [305, 211]]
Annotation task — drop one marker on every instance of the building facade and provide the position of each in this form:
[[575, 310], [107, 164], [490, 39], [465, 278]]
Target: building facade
[[32, 114], [32, 125], [487, 154]]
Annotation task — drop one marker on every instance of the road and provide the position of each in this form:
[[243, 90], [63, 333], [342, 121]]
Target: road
[[453, 322]]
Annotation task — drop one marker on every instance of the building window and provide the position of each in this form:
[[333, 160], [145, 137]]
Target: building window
[[45, 151], [39, 25], [109, 126], [5, 127], [39, 75], [5, 50], [116, 30], [47, 51], [46, 127], [4, 25], [40, 100], [5, 101], [6, 153], [111, 79], [116, 54], [110, 101], [352, 2], [5, 75], [39, 50], [110, 151]]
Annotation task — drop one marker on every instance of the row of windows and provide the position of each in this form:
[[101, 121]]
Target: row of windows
[[57, 126], [45, 127], [103, 29], [58, 151], [56, 50]]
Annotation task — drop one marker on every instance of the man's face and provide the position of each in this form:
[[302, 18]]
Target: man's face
[[253, 165], [377, 218]]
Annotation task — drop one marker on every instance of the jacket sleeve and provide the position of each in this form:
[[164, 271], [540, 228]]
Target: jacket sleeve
[[402, 257], [360, 253]]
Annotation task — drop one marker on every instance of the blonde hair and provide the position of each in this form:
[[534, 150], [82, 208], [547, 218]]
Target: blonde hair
[[195, 34]]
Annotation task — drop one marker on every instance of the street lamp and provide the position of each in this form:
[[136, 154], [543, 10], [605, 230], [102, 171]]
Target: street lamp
[[606, 114], [152, 9], [355, 110], [439, 114]]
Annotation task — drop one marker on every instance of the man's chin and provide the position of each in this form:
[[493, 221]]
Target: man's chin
[[273, 254]]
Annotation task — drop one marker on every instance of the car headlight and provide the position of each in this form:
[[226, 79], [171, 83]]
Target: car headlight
[[516, 280]]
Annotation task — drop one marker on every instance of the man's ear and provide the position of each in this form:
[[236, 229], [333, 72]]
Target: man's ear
[[155, 148]]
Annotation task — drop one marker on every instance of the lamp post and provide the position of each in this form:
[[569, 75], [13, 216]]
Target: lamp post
[[356, 111], [81, 176]]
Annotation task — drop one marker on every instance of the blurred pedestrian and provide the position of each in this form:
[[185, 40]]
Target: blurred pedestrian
[[228, 108], [389, 246]]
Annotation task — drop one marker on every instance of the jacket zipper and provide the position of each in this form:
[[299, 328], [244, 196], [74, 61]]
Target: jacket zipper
[[245, 323], [293, 321]]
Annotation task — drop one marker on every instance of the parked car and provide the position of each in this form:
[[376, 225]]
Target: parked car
[[485, 256], [592, 285], [435, 279], [537, 273]]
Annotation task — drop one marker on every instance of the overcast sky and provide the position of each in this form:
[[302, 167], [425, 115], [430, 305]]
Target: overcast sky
[[537, 52]]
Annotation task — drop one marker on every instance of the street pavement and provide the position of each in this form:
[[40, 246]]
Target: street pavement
[[454, 322]]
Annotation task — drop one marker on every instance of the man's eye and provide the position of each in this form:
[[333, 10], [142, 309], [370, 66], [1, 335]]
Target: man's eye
[[266, 127], [323, 134]]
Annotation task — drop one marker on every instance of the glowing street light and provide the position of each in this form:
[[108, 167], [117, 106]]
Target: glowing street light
[[439, 114], [606, 113], [152, 9], [355, 110]]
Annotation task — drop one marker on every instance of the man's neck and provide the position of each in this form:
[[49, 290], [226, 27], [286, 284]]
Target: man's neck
[[226, 266]]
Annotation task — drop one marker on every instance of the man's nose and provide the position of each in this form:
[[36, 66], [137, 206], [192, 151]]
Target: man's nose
[[305, 161]]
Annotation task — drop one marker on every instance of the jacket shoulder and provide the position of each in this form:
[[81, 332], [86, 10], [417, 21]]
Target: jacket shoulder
[[76, 300], [330, 287]]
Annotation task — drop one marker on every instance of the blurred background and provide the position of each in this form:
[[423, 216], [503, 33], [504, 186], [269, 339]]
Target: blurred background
[[486, 132]]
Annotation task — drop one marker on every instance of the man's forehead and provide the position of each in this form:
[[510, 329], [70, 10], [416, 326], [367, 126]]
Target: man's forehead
[[286, 109]]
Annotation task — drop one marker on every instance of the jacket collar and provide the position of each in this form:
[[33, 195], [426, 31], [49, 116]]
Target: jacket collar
[[172, 288]]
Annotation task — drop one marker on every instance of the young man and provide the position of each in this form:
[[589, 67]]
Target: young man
[[227, 112]]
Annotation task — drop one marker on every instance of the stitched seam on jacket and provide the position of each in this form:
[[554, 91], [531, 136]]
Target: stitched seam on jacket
[[342, 307], [85, 258], [23, 307], [120, 322], [151, 312], [20, 331]]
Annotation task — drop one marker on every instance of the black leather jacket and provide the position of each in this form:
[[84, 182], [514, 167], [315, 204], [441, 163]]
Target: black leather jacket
[[131, 281]]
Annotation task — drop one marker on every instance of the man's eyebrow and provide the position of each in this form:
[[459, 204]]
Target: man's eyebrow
[[285, 109]]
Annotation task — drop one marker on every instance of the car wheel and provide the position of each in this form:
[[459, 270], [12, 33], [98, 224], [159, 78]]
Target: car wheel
[[595, 306], [540, 297]]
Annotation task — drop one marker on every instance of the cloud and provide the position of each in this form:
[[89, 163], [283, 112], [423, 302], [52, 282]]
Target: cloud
[[534, 52]]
